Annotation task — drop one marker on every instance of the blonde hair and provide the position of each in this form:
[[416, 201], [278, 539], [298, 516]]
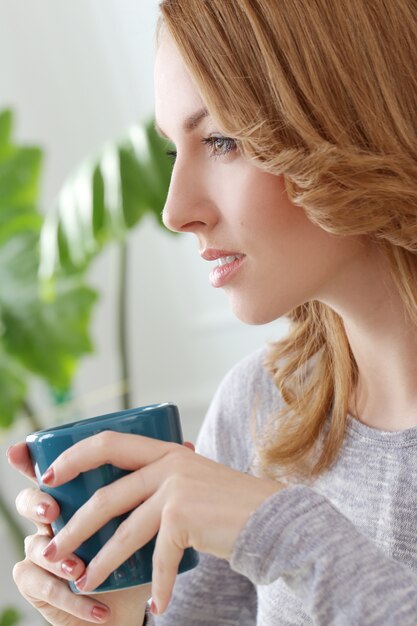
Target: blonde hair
[[325, 93]]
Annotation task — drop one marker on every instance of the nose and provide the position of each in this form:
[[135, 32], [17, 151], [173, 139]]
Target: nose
[[188, 207]]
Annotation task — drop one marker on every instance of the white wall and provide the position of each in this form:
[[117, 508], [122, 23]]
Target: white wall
[[78, 73]]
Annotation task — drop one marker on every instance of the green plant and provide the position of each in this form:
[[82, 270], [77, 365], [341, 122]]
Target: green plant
[[45, 301], [10, 617], [103, 199], [40, 336]]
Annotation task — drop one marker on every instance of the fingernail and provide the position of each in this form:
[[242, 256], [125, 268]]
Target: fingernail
[[8, 450], [81, 582], [99, 613], [48, 477], [50, 550], [68, 566], [42, 509], [154, 608]]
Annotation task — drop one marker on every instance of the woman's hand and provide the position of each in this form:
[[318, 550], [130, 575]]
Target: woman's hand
[[189, 500], [44, 583]]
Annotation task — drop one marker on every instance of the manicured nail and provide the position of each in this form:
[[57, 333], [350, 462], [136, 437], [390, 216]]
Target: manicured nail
[[42, 509], [68, 566], [48, 477], [154, 608], [50, 550], [81, 581], [99, 613]]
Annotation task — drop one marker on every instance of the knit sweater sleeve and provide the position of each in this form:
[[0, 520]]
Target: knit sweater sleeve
[[342, 577], [213, 594]]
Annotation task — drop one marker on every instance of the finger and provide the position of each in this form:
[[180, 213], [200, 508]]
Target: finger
[[125, 451], [38, 507], [166, 559], [19, 458], [70, 568], [110, 501], [41, 588], [136, 531], [189, 445]]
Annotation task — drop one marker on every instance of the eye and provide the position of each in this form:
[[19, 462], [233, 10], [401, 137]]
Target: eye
[[219, 145], [172, 154]]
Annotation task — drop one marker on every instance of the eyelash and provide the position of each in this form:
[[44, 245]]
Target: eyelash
[[228, 145]]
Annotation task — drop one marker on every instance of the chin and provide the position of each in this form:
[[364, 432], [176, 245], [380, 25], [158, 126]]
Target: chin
[[255, 316]]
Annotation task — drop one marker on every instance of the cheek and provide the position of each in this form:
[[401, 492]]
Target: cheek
[[250, 196], [265, 207], [282, 226]]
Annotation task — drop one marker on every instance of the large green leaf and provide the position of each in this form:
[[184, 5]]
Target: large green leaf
[[41, 333], [48, 338], [106, 196], [10, 617], [13, 387]]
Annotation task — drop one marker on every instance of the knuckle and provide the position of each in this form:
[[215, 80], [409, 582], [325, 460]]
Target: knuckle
[[177, 461], [22, 501], [123, 533], [28, 545], [33, 545], [178, 470], [18, 572], [172, 515], [174, 487], [104, 440], [100, 500], [17, 501], [49, 590]]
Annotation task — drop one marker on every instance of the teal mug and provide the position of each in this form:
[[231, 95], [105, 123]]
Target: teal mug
[[159, 421]]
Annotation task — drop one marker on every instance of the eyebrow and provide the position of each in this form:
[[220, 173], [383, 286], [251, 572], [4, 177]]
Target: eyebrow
[[190, 123]]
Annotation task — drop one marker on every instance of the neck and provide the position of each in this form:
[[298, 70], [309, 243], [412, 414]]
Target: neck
[[384, 343], [386, 393]]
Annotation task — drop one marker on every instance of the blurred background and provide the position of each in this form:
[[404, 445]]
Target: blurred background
[[76, 75]]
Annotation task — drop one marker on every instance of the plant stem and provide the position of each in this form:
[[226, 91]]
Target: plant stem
[[15, 530], [31, 415], [122, 323]]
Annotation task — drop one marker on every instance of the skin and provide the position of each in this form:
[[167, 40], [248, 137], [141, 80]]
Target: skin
[[43, 584], [228, 204], [233, 205], [188, 499]]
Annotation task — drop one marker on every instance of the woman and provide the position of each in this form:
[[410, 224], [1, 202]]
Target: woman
[[296, 169]]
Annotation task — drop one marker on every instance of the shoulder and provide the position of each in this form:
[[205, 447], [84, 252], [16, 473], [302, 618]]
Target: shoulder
[[249, 385], [245, 397]]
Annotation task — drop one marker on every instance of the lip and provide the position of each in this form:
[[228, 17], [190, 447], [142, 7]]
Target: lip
[[222, 274], [211, 254]]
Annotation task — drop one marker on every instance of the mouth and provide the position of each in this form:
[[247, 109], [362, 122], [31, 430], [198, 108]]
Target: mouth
[[228, 264], [226, 260], [211, 254]]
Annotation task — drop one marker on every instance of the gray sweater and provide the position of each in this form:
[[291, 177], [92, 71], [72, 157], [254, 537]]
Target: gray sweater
[[342, 551]]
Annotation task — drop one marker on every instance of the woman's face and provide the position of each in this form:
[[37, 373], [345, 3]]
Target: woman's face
[[272, 258]]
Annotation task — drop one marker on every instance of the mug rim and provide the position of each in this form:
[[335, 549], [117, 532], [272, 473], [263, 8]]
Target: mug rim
[[90, 421]]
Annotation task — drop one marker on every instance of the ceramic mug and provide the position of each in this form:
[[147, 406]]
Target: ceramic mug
[[159, 421]]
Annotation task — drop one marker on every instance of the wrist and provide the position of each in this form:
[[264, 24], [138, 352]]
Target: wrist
[[127, 606]]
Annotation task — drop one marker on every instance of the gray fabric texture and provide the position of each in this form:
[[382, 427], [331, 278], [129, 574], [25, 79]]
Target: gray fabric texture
[[341, 551]]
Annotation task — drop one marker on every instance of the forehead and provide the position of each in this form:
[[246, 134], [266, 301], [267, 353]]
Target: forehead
[[176, 95]]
